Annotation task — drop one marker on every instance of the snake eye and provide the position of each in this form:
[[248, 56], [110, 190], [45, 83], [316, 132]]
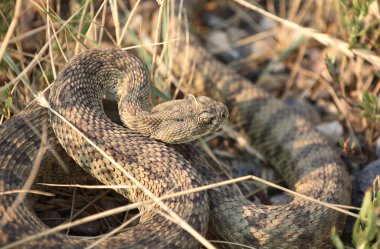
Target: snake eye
[[205, 118]]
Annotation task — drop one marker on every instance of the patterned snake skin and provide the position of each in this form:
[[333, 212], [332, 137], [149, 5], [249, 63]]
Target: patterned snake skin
[[299, 153]]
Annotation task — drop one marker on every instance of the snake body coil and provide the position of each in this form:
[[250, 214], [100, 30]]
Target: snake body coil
[[300, 154]]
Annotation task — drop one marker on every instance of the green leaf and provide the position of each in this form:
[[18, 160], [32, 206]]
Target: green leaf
[[6, 100], [365, 205], [370, 107], [336, 240], [371, 227], [331, 65], [357, 7], [365, 8]]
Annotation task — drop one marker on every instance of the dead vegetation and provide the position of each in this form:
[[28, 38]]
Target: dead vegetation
[[325, 53]]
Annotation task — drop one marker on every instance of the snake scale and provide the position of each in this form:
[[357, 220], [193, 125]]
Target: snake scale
[[301, 155]]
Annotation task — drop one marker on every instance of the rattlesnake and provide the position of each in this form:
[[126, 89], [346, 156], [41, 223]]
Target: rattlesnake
[[300, 154]]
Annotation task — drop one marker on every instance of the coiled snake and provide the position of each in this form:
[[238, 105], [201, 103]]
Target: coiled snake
[[299, 153]]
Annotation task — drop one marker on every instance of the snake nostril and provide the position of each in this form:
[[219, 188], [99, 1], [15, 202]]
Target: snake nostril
[[224, 113]]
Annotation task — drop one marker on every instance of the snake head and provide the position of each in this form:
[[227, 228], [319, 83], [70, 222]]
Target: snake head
[[184, 120]]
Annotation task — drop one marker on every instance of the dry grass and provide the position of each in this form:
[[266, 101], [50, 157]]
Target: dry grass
[[313, 50]]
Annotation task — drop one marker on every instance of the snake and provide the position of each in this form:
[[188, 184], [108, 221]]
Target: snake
[[306, 161]]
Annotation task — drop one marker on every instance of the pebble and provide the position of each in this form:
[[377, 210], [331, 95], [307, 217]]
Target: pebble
[[218, 41], [280, 199], [267, 23], [244, 166], [362, 182], [366, 176], [213, 20], [333, 130], [236, 33]]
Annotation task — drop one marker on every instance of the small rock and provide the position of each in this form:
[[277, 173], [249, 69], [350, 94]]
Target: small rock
[[377, 147], [218, 41], [236, 33], [366, 176], [280, 199], [333, 130], [267, 23], [244, 166], [362, 182], [213, 20]]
